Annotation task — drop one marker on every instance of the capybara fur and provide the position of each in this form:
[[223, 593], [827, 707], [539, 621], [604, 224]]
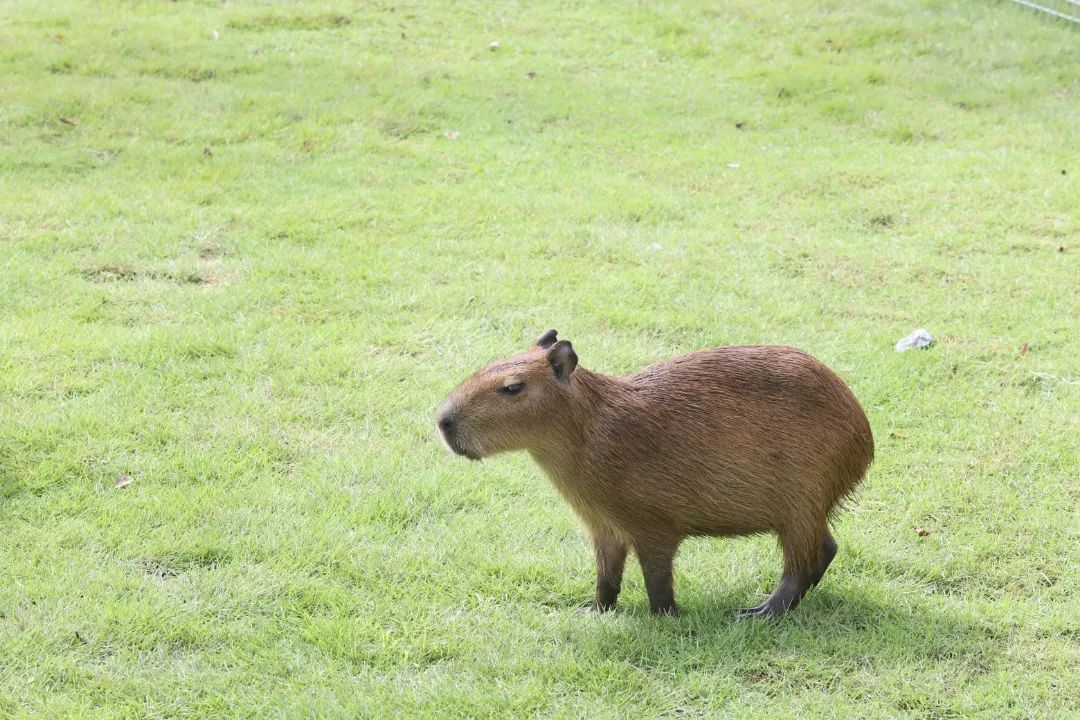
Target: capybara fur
[[722, 442]]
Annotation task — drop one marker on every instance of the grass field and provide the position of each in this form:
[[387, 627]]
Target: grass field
[[247, 248]]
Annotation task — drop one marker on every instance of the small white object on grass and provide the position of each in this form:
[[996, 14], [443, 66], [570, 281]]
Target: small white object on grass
[[919, 339]]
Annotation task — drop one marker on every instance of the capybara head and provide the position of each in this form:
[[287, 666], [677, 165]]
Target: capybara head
[[512, 404]]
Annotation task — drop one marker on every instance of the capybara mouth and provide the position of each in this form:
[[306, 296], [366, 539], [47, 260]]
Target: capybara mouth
[[462, 452], [456, 448]]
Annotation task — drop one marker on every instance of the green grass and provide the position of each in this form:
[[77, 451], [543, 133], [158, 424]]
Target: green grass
[[244, 268]]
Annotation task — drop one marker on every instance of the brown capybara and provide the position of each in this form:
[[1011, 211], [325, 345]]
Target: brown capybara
[[723, 442]]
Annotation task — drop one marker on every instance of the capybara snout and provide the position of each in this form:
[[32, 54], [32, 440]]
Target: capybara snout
[[721, 442]]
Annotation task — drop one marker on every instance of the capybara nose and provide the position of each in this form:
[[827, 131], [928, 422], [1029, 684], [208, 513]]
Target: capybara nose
[[446, 422]]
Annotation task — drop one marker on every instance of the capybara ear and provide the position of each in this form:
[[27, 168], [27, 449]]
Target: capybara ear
[[563, 360], [547, 339]]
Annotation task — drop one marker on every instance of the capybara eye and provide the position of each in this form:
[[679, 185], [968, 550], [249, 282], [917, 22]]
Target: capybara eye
[[512, 389]]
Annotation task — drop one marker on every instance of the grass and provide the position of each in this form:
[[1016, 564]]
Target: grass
[[246, 249]]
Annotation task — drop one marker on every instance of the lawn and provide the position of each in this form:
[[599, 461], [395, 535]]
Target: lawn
[[247, 248]]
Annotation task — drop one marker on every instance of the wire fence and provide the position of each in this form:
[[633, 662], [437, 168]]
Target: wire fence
[[1063, 9]]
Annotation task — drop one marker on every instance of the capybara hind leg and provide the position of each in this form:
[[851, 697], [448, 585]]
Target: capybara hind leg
[[828, 552], [610, 560], [656, 565], [801, 571], [785, 597]]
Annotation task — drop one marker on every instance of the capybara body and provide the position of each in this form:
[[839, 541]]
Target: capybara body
[[721, 442]]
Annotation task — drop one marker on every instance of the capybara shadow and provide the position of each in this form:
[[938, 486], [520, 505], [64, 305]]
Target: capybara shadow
[[852, 629]]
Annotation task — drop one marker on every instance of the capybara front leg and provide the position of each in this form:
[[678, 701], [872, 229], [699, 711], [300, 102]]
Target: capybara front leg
[[610, 560], [656, 565]]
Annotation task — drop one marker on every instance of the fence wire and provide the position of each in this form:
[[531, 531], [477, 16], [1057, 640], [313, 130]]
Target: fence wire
[[1064, 9]]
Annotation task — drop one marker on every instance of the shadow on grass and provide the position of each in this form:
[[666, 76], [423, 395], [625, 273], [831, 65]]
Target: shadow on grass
[[831, 630]]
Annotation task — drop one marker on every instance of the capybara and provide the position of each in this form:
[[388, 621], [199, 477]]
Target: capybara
[[722, 442]]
